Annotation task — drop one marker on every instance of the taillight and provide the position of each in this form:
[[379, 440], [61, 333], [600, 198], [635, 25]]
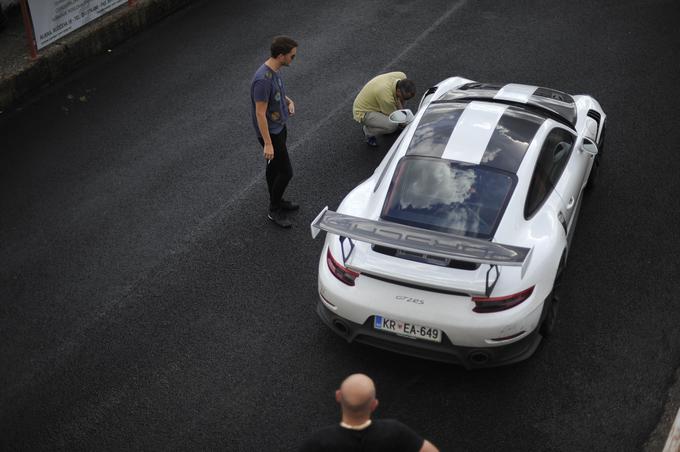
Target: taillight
[[343, 274], [495, 304]]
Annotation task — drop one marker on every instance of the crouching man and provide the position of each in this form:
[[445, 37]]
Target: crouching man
[[381, 96]]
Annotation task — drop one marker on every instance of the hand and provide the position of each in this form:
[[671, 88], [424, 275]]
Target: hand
[[291, 107], [268, 151]]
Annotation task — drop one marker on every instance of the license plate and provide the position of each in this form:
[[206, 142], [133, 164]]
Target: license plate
[[407, 329]]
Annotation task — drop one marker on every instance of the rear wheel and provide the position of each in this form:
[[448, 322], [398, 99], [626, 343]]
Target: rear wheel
[[552, 304]]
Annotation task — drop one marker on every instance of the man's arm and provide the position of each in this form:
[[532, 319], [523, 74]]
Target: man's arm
[[387, 104], [261, 115], [291, 105]]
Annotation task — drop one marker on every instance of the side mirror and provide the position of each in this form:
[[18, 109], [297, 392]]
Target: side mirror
[[589, 148], [402, 116]]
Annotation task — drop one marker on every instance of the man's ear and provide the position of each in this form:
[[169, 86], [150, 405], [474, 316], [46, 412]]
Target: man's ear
[[374, 405], [338, 396]]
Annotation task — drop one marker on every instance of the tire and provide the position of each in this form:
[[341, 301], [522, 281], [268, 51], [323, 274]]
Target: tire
[[592, 177], [552, 304], [551, 307], [596, 163]]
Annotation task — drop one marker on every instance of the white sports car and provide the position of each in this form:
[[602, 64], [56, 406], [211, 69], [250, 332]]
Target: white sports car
[[453, 249]]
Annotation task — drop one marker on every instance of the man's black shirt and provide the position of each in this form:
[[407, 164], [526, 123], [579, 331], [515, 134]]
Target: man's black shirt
[[382, 435]]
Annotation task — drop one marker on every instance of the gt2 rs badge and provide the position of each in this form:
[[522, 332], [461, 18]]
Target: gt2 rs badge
[[409, 299]]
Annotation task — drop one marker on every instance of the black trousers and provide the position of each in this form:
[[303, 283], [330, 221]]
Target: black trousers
[[279, 170]]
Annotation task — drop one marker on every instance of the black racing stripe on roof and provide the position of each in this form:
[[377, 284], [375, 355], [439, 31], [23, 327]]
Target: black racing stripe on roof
[[435, 128], [511, 138]]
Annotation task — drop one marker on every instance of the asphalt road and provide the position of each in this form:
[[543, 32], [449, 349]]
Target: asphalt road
[[146, 302]]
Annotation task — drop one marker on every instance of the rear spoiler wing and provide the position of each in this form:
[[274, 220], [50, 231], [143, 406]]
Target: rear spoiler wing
[[417, 240]]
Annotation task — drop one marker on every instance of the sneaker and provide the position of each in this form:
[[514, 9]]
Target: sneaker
[[372, 141], [288, 205], [279, 218]]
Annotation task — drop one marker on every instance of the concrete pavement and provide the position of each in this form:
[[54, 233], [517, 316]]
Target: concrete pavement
[[22, 77]]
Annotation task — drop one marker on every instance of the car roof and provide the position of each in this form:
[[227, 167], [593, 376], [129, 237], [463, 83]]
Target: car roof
[[482, 132]]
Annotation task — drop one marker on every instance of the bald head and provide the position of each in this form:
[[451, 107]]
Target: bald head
[[357, 395]]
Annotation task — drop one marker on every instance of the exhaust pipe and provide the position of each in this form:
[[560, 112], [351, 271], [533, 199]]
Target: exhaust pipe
[[479, 357], [341, 327]]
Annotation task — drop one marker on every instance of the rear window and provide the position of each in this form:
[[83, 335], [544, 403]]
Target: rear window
[[448, 196]]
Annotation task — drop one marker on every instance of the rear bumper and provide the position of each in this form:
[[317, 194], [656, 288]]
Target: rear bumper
[[468, 357]]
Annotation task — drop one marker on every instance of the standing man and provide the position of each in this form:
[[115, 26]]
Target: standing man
[[270, 111], [377, 99], [357, 431]]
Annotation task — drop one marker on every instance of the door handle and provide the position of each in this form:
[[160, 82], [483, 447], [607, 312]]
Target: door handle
[[571, 203]]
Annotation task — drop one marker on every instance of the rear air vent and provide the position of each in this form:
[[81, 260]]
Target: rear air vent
[[470, 85], [595, 115], [480, 86], [553, 94]]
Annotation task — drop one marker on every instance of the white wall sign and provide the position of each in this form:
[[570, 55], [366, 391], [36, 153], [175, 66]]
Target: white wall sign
[[53, 19]]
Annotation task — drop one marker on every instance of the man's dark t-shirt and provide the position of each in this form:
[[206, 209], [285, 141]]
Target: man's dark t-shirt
[[267, 86], [382, 435]]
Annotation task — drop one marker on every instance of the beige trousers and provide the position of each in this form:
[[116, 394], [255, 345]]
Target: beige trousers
[[375, 123]]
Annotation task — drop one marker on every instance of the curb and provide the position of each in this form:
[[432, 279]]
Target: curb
[[64, 55]]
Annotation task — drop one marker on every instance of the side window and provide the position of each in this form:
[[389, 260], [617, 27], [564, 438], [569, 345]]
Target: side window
[[559, 143], [553, 158]]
